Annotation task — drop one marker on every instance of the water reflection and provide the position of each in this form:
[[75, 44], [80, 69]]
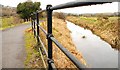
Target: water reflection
[[96, 52]]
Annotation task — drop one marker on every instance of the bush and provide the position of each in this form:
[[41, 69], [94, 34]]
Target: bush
[[7, 11], [42, 15], [59, 15], [17, 20]]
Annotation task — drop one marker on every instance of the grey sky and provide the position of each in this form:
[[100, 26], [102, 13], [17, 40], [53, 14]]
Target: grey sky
[[105, 8]]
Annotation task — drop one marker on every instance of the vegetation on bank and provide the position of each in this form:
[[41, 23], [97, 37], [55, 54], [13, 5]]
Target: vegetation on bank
[[33, 59], [62, 34], [106, 27]]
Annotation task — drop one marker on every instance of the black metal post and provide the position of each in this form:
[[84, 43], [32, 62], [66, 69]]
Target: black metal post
[[31, 21], [37, 16], [32, 24], [49, 30], [34, 29]]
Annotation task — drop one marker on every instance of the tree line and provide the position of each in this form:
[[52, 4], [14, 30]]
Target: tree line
[[25, 9], [7, 11]]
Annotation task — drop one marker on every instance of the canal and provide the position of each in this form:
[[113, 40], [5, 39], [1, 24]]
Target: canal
[[96, 52]]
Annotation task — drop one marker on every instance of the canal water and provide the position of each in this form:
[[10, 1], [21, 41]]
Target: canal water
[[96, 52]]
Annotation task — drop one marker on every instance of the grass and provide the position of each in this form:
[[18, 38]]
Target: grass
[[8, 22], [107, 29], [33, 59], [90, 19]]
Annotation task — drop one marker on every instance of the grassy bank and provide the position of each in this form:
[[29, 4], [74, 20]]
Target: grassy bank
[[33, 59], [107, 28], [62, 34], [11, 21]]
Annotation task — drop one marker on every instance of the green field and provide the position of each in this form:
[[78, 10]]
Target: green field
[[7, 22]]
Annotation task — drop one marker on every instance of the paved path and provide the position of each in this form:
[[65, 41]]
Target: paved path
[[13, 50]]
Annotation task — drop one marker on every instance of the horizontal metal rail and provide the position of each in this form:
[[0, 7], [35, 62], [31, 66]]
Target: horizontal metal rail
[[40, 11], [45, 32], [42, 58], [75, 4], [43, 46], [68, 54], [53, 66]]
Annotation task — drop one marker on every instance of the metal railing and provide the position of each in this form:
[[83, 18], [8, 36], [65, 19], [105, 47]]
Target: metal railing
[[50, 38]]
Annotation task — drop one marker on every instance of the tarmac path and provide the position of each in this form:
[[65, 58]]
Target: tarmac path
[[13, 49]]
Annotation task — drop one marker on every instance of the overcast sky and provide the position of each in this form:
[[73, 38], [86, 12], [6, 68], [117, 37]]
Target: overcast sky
[[104, 8]]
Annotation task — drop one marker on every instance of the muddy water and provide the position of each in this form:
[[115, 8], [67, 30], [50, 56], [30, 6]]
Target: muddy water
[[96, 52]]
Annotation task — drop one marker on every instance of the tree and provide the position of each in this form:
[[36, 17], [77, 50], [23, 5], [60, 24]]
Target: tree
[[26, 8]]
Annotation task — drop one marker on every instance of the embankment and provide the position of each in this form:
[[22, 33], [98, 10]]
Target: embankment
[[106, 28], [62, 34]]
